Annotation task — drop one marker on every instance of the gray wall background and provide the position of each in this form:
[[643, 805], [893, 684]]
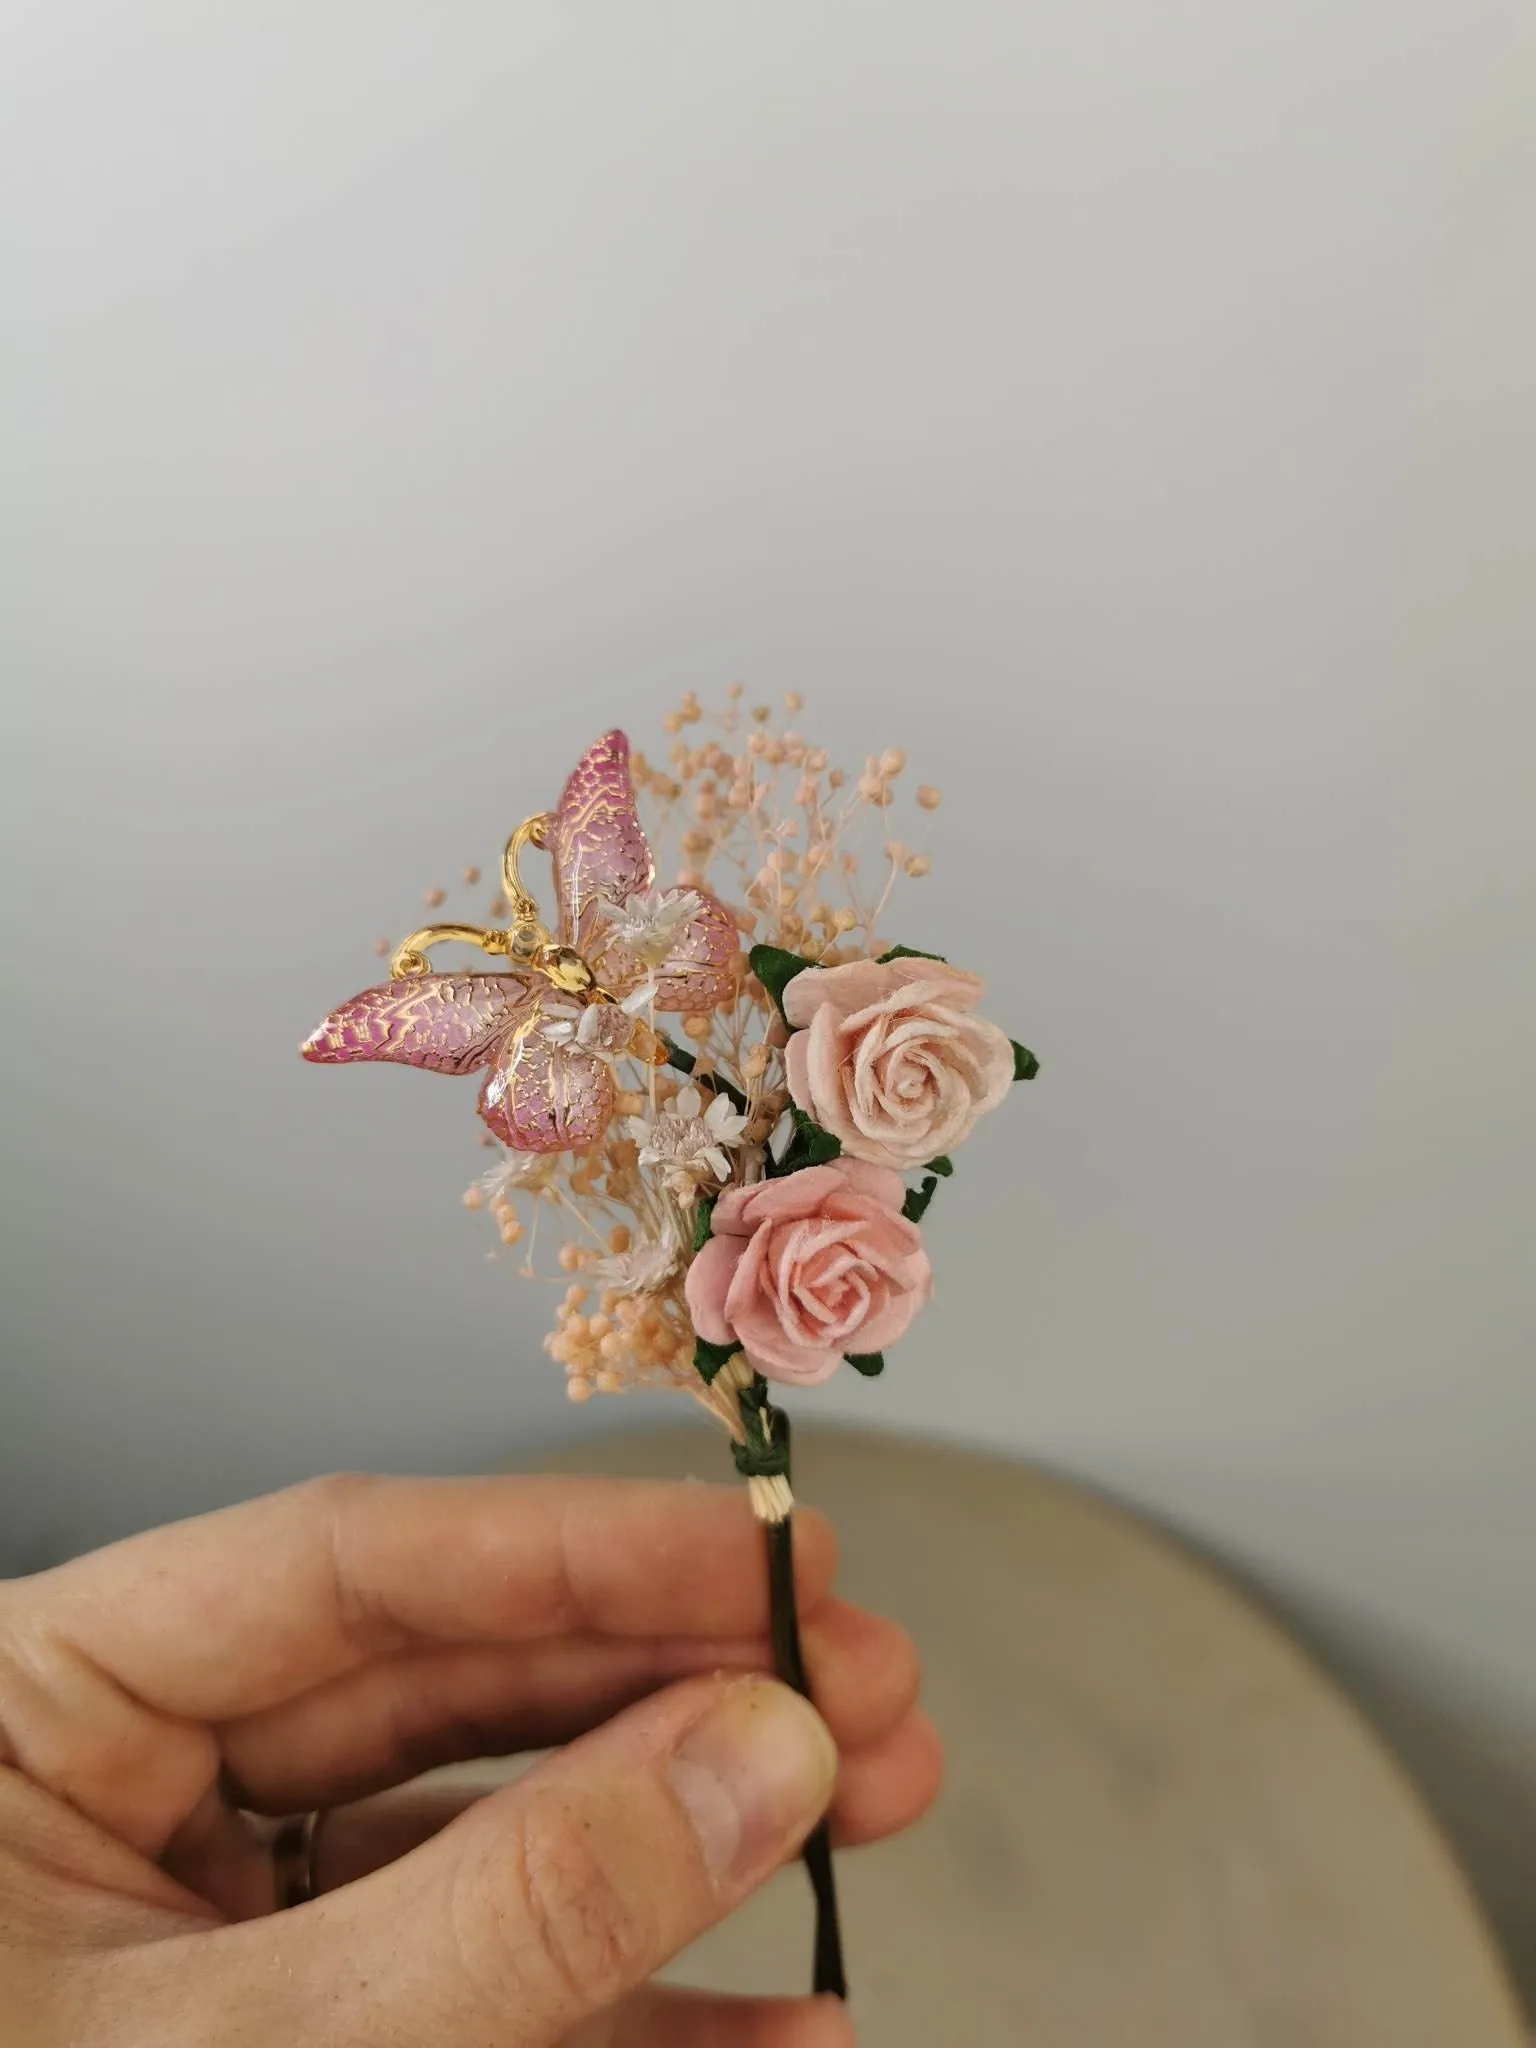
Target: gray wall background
[[1128, 409]]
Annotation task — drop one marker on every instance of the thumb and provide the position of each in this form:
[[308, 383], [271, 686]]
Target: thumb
[[547, 1901]]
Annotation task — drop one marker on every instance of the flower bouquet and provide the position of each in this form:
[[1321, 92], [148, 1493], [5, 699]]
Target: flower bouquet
[[733, 1098]]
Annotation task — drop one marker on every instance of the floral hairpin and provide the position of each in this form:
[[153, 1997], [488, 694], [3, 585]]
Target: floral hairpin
[[746, 1194]]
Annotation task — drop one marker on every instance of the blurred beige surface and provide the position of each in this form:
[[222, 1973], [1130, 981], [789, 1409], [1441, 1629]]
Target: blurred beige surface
[[1162, 1827]]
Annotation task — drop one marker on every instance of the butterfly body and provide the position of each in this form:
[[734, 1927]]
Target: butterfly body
[[550, 1083]]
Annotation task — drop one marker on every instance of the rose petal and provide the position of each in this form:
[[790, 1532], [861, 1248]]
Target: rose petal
[[706, 1288]]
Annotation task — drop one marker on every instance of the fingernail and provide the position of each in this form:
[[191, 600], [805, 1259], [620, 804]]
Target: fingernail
[[753, 1775]]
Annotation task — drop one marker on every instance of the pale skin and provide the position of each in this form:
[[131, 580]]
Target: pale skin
[[162, 1701]]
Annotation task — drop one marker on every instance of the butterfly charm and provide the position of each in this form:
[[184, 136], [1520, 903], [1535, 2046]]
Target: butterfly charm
[[547, 1029]]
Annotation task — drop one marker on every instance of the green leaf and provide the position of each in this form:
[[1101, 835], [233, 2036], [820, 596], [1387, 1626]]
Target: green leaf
[[1025, 1065], [708, 1358], [870, 1363], [916, 1204], [944, 1166], [776, 969], [810, 1146], [816, 1145], [703, 1211], [910, 953]]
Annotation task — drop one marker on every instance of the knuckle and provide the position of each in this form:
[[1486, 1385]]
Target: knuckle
[[564, 1930], [332, 1494], [336, 1508], [903, 1674]]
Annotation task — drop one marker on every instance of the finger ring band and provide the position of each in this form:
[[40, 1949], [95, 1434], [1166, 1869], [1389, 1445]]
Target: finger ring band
[[293, 1859]]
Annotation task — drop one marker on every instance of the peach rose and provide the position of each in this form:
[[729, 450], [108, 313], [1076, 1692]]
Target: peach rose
[[889, 1058], [803, 1269]]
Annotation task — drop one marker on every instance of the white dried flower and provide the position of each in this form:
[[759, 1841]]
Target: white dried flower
[[518, 1173], [649, 926], [603, 1029], [643, 1269], [688, 1144]]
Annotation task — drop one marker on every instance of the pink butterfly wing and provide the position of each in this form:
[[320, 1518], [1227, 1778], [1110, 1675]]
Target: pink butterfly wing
[[706, 954], [540, 1097], [598, 848], [447, 1023]]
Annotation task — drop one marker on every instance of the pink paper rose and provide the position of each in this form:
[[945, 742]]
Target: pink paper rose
[[890, 1059], [804, 1269]]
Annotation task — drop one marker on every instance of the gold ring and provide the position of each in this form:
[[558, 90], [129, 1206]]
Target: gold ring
[[293, 1859]]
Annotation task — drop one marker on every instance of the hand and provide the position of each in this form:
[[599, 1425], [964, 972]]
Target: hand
[[320, 1647]]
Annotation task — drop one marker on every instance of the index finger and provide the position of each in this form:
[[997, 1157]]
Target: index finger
[[232, 1612]]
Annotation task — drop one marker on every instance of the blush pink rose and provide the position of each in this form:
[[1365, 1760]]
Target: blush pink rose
[[801, 1270], [888, 1056]]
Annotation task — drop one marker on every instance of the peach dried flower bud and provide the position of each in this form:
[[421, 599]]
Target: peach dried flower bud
[[382, 949], [836, 777], [510, 1230], [471, 876], [793, 701], [918, 865], [433, 897], [733, 690], [570, 1258], [761, 713], [757, 743], [473, 1198], [619, 1238], [672, 723], [754, 1062], [895, 851], [499, 909], [893, 760], [928, 796], [578, 1389], [698, 1028], [844, 920]]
